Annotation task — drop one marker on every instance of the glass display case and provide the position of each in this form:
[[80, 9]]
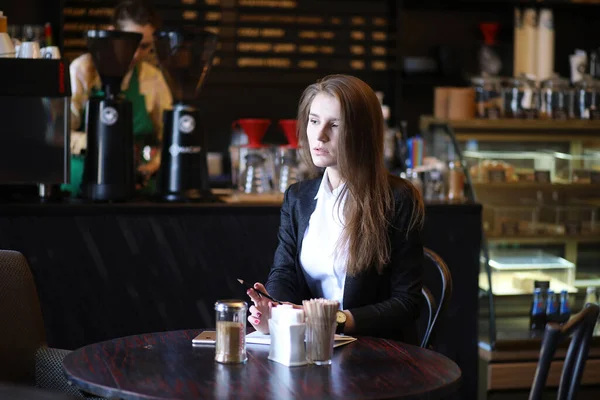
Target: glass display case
[[511, 220], [569, 220], [509, 166], [514, 272], [582, 168]]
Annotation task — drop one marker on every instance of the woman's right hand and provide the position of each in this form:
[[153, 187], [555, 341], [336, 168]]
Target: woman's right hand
[[260, 312]]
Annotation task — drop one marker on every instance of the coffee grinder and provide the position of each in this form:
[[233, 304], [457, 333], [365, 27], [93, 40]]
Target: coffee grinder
[[109, 170], [185, 58]]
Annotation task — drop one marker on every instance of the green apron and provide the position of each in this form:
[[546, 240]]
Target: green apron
[[143, 133]]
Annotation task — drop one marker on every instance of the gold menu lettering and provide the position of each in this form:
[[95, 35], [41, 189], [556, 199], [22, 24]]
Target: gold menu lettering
[[100, 12], [379, 50], [282, 19], [379, 36], [357, 35], [272, 32], [74, 12], [248, 32], [268, 3], [278, 34], [284, 48], [377, 21], [308, 34], [264, 32], [80, 27], [308, 64], [190, 15], [264, 62], [379, 65], [254, 47], [308, 49], [212, 16], [357, 64], [357, 50]]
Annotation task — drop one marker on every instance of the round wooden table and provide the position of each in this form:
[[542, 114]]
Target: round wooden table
[[167, 366]]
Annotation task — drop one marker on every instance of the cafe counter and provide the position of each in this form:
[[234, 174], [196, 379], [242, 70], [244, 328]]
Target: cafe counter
[[109, 270]]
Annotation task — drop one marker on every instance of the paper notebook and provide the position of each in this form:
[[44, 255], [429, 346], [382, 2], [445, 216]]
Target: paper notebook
[[259, 338]]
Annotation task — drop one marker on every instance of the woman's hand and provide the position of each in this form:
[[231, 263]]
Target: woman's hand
[[260, 312]]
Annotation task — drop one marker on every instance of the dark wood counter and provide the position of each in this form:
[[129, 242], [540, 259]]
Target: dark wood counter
[[112, 270]]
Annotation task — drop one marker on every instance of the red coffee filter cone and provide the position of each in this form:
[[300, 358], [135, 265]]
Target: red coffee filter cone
[[288, 126], [255, 129], [489, 30]]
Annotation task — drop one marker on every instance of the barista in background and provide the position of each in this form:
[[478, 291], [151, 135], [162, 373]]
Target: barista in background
[[144, 85]]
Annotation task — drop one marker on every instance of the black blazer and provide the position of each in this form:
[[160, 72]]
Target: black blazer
[[385, 305]]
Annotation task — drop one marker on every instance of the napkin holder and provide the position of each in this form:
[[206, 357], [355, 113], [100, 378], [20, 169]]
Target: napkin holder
[[287, 329]]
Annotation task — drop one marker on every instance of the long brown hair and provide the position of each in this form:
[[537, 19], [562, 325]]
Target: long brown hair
[[370, 206]]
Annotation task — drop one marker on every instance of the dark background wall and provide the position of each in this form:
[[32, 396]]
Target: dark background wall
[[444, 31]]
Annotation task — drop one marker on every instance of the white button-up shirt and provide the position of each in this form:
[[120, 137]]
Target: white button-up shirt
[[322, 260]]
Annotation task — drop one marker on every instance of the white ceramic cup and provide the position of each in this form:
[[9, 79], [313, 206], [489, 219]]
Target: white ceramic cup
[[29, 50], [50, 52], [7, 49]]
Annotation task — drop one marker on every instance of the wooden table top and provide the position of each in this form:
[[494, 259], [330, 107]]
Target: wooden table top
[[166, 366]]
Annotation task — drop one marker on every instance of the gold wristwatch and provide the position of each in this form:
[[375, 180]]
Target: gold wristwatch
[[341, 321]]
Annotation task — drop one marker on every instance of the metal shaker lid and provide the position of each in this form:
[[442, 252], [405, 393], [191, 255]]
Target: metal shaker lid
[[230, 305]]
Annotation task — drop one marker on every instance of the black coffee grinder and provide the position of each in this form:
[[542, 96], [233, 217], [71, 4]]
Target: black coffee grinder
[[109, 170], [185, 57]]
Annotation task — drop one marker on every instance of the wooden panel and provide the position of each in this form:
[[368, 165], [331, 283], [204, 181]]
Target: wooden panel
[[520, 375]]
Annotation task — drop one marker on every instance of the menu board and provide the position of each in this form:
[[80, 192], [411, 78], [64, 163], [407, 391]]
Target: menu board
[[285, 35]]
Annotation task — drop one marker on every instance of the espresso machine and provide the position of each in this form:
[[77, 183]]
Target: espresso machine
[[35, 97], [109, 169], [185, 58]]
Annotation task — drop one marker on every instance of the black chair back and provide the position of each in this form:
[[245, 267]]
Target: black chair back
[[22, 326], [435, 309], [580, 328]]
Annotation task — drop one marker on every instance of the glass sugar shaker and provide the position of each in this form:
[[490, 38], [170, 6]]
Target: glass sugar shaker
[[230, 346]]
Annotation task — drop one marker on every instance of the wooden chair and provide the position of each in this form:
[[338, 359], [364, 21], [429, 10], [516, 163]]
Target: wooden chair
[[434, 309], [580, 328]]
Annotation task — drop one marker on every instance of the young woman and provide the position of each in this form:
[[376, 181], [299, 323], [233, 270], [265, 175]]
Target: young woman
[[144, 85], [351, 235]]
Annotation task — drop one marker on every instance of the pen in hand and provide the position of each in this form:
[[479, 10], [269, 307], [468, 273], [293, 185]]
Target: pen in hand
[[260, 292]]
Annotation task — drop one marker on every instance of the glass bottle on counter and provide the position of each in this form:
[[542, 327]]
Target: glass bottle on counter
[[537, 317], [456, 181], [590, 296], [413, 176], [552, 307], [564, 311]]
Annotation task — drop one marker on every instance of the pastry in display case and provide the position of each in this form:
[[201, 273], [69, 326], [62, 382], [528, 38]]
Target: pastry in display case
[[514, 272], [509, 166], [583, 168], [502, 220], [569, 220]]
